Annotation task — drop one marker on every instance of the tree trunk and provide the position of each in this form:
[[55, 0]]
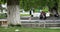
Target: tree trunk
[[13, 12], [54, 10]]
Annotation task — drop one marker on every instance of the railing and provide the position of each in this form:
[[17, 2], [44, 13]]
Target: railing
[[41, 23], [3, 19]]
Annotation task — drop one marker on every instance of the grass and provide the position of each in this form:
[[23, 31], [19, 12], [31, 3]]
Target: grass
[[3, 15], [24, 15], [12, 29]]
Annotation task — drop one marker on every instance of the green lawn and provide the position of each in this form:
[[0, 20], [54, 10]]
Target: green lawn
[[12, 29], [24, 15], [3, 15]]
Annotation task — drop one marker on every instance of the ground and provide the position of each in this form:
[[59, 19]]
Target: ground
[[12, 29]]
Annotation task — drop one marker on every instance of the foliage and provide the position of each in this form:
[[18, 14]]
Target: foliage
[[12, 25], [3, 15], [45, 9], [3, 1], [18, 25], [51, 3], [28, 4], [37, 10]]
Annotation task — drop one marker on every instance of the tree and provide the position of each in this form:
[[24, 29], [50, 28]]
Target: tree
[[13, 12], [53, 6], [28, 4], [2, 2]]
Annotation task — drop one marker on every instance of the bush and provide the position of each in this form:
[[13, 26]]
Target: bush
[[11, 25], [3, 15], [17, 25]]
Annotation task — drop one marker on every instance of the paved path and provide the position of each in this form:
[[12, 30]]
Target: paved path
[[37, 18]]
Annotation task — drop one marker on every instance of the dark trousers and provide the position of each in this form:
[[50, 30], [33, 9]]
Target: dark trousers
[[41, 17]]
